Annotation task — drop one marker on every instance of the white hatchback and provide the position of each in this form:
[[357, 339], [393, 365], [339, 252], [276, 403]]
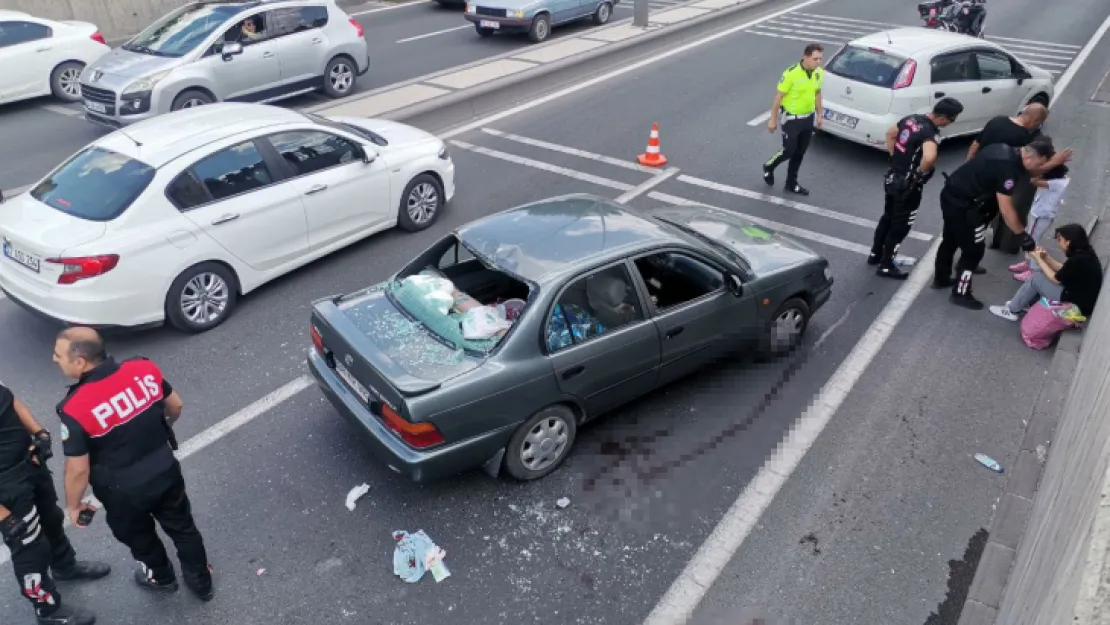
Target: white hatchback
[[43, 57], [175, 217], [876, 80]]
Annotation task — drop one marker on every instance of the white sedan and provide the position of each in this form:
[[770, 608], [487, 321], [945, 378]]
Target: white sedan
[[876, 80], [41, 57], [175, 219]]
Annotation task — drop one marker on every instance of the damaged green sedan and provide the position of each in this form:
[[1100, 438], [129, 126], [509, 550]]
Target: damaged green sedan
[[492, 347]]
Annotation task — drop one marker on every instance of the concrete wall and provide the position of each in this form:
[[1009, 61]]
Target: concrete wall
[[117, 19]]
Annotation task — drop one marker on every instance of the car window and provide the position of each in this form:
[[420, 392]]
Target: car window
[[180, 32], [187, 192], [15, 33], [96, 184], [673, 279], [251, 30], [994, 66], [455, 255], [295, 20], [953, 67], [591, 306], [308, 151], [866, 65], [232, 171]]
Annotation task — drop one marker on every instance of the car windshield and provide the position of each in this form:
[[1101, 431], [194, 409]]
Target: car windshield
[[180, 32], [867, 65], [710, 236], [96, 185], [358, 130]]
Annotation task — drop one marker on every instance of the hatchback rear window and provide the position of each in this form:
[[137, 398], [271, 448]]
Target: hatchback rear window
[[96, 184], [867, 65]]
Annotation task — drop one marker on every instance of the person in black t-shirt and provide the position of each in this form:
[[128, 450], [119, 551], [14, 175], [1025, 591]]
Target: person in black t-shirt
[[1077, 280]]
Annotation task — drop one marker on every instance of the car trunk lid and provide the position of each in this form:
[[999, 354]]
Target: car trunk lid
[[33, 232], [865, 78]]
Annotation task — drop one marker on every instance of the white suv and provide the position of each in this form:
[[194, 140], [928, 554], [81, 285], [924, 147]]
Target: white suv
[[227, 51]]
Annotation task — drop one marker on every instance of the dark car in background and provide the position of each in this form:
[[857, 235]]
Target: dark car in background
[[495, 344]]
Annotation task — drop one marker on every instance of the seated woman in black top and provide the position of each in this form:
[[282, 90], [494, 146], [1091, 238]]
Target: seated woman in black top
[[1077, 280]]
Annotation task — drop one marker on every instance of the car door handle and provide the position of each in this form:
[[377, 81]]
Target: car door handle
[[268, 55], [573, 371], [226, 218], [939, 94], [986, 89], [46, 49], [316, 189], [673, 332], [317, 41]]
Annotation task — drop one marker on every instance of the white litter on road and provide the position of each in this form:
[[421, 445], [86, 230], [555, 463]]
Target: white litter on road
[[356, 493]]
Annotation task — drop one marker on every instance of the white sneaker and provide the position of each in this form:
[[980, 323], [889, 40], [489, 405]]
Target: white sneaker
[[1004, 312]]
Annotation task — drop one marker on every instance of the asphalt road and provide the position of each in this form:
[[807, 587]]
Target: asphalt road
[[888, 493]]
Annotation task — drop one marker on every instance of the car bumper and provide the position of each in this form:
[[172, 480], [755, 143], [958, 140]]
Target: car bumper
[[420, 466], [77, 304], [117, 121], [870, 130], [505, 24], [821, 297], [449, 180]]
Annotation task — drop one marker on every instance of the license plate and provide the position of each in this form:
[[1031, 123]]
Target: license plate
[[29, 261], [96, 107], [841, 118], [355, 385], [489, 24]]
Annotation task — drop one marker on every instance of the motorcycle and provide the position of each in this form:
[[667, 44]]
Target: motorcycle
[[957, 16]]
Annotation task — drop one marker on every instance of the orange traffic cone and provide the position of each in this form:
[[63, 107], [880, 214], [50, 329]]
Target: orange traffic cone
[[653, 157]]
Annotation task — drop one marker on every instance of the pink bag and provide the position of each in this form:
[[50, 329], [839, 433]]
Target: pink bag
[[1040, 326]]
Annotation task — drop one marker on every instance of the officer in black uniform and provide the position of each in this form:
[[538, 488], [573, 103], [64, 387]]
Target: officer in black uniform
[[117, 436], [912, 144], [966, 205], [30, 519]]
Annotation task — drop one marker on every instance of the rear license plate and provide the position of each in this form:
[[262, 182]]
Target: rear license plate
[[841, 118], [96, 107], [489, 24], [354, 384], [29, 261]]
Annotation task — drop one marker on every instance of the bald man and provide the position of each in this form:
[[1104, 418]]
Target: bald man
[[116, 436], [1018, 132]]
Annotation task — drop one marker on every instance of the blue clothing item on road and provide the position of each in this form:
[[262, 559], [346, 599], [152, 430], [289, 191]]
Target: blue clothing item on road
[[408, 557]]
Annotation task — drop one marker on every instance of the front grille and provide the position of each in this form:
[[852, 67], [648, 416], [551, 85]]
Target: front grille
[[490, 12], [95, 94]]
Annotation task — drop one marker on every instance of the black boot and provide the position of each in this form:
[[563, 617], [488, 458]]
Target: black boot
[[967, 300], [768, 176], [200, 585], [65, 615], [874, 258], [890, 270], [796, 188], [81, 570], [943, 282], [145, 578]]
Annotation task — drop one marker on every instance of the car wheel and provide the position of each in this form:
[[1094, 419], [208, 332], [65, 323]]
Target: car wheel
[[603, 13], [201, 298], [542, 444], [541, 28], [189, 99], [339, 77], [483, 32], [420, 203], [65, 81], [785, 330]]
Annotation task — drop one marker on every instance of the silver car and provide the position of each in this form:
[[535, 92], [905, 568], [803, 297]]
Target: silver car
[[227, 51]]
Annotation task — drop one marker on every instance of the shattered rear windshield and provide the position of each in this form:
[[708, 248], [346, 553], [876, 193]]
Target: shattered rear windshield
[[414, 298]]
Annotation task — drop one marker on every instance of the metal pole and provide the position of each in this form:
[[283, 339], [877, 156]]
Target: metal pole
[[640, 13]]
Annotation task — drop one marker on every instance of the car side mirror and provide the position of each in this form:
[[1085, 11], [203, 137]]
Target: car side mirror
[[230, 49], [369, 155], [1, 197], [735, 285]]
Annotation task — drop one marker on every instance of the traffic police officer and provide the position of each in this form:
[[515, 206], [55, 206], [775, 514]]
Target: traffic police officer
[[30, 519], [117, 437], [798, 101], [970, 197], [912, 144]]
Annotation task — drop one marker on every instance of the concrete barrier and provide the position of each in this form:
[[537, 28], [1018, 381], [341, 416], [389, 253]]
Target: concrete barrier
[[117, 19]]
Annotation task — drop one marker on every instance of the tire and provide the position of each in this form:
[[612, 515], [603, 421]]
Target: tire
[[795, 313], [421, 203], [217, 281], [65, 81], [551, 432], [190, 98], [483, 32], [541, 28], [603, 13], [339, 77]]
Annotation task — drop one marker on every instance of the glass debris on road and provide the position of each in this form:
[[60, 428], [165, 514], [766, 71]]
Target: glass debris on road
[[562, 503]]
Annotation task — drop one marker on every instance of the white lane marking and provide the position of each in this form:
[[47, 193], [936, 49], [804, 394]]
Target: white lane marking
[[795, 37], [548, 167], [433, 34], [1040, 52], [762, 119], [651, 183], [10, 193], [1045, 44], [228, 425], [390, 8], [811, 26], [687, 591], [555, 147], [800, 31], [62, 110], [888, 26], [1041, 64], [586, 84], [806, 21], [798, 206]]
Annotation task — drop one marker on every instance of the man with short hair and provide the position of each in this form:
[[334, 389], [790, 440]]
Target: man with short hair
[[798, 102]]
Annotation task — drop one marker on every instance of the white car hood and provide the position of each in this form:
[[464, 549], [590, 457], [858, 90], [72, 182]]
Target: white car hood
[[40, 229], [398, 135]]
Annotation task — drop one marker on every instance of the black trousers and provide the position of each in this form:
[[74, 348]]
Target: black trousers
[[964, 230], [131, 515], [899, 214], [796, 134], [32, 496]]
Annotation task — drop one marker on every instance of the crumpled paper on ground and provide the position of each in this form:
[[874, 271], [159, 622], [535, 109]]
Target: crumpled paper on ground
[[415, 554], [356, 493]]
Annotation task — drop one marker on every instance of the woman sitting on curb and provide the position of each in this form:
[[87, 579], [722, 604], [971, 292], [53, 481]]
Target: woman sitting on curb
[[1077, 280]]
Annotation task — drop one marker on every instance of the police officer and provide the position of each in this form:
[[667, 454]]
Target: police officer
[[117, 437], [968, 201], [30, 519], [912, 144], [798, 101]]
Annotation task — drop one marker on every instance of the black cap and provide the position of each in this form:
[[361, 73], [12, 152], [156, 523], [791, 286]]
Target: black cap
[[949, 107]]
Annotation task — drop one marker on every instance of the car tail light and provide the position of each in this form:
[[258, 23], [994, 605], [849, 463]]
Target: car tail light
[[97, 37], [358, 27], [317, 340], [418, 435], [905, 77], [82, 267], [932, 11]]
